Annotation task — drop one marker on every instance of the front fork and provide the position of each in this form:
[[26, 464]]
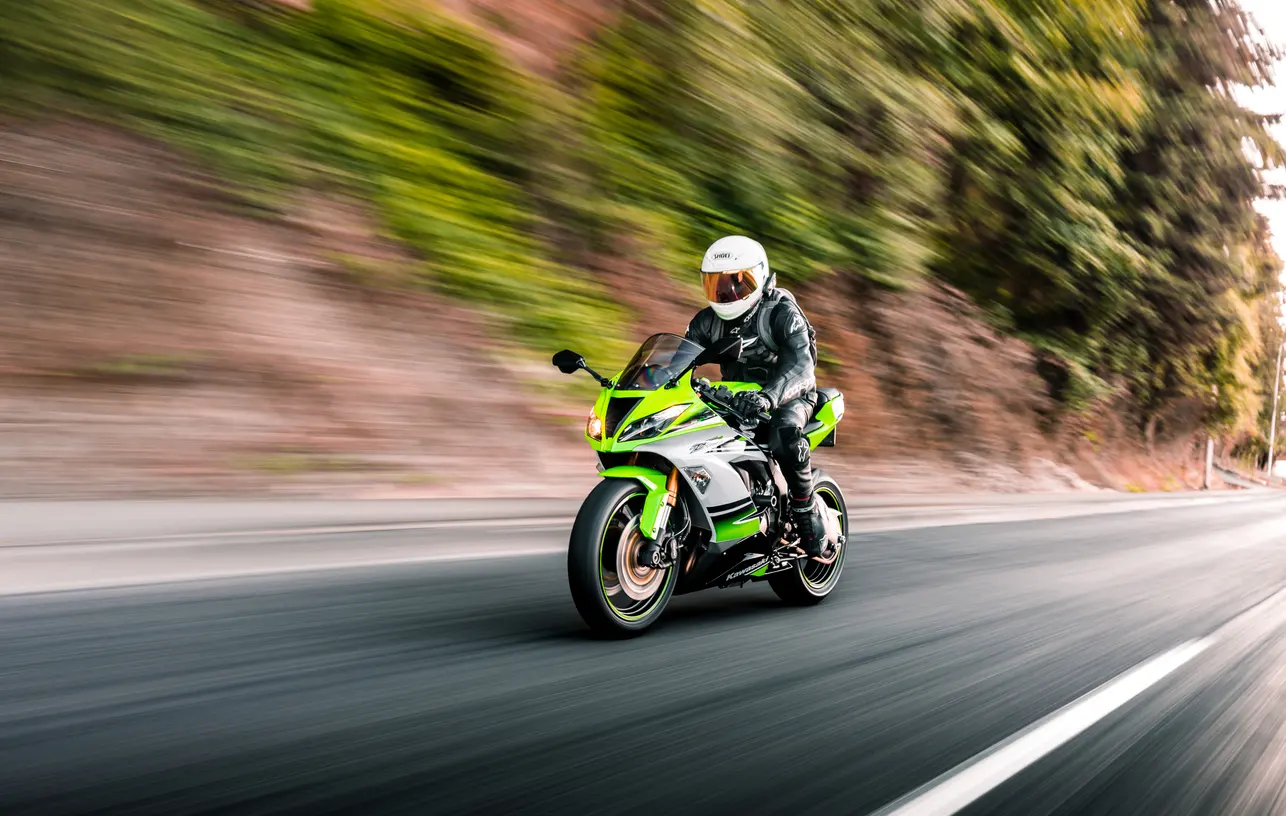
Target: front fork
[[662, 496], [668, 500], [652, 551]]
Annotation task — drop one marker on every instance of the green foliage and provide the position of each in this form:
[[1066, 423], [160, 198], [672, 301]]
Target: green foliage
[[772, 119], [1077, 166], [1046, 103], [412, 111], [1187, 197], [152, 368]]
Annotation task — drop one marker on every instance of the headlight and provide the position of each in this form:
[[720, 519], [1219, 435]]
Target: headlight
[[700, 418], [651, 426], [594, 427]]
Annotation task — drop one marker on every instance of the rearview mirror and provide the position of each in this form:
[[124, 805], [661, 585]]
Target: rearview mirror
[[729, 349], [568, 361]]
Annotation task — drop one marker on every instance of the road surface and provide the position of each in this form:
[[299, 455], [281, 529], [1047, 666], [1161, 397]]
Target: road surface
[[1111, 662]]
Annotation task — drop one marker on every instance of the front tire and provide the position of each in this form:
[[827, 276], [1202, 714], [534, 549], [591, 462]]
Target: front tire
[[809, 582], [615, 596]]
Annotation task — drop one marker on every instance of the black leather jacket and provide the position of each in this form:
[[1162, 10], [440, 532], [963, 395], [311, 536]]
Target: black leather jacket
[[785, 375]]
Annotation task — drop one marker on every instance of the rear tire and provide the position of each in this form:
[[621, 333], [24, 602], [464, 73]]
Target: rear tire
[[809, 582], [613, 596]]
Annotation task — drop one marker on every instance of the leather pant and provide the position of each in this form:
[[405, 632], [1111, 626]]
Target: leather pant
[[789, 446]]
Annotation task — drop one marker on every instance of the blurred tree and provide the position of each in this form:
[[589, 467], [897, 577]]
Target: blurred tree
[[1187, 202], [1048, 100], [1080, 167], [795, 122]]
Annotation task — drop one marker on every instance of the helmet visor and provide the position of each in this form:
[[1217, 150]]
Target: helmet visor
[[728, 287]]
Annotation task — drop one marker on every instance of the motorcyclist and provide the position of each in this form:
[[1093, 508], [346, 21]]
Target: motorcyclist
[[776, 353]]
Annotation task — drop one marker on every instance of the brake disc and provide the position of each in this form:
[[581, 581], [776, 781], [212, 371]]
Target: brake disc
[[637, 581]]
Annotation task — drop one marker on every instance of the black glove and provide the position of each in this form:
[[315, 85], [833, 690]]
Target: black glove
[[752, 404]]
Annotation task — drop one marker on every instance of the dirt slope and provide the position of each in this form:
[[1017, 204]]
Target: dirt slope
[[151, 341]]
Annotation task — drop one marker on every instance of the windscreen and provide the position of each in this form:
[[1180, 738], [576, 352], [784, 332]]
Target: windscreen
[[660, 358]]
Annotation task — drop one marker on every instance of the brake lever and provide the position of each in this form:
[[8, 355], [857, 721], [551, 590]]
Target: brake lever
[[716, 396]]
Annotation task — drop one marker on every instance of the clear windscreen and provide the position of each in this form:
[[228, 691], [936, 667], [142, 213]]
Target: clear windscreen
[[658, 360]]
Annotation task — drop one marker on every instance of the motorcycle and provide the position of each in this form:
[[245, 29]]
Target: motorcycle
[[690, 498]]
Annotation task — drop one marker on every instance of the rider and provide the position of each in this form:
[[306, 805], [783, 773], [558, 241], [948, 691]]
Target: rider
[[745, 302]]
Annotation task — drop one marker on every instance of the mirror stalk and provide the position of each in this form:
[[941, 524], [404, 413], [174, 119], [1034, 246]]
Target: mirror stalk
[[603, 381]]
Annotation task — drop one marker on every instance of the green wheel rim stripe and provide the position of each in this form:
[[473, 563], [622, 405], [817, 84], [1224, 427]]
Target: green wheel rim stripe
[[831, 569], [601, 541]]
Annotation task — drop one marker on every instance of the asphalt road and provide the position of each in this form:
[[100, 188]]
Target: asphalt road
[[459, 686]]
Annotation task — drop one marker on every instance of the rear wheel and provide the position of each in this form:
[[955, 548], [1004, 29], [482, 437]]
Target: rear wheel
[[809, 581], [613, 593]]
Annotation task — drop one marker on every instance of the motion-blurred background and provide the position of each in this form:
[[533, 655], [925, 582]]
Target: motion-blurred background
[[296, 246]]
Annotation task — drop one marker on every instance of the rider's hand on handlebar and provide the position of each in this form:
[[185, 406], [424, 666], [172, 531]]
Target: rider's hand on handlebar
[[752, 404]]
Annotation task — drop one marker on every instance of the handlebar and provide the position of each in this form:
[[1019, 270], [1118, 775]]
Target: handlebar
[[722, 398]]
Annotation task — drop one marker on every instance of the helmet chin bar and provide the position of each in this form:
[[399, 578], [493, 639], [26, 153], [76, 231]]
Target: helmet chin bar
[[732, 311]]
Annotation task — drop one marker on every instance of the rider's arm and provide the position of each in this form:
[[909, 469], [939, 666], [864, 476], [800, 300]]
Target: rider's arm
[[794, 376], [702, 332], [699, 330]]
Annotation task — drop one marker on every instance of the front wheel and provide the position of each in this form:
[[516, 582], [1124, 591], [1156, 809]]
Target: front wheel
[[809, 581], [614, 594]]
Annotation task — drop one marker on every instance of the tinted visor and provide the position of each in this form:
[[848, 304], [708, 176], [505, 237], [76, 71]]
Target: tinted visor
[[728, 287]]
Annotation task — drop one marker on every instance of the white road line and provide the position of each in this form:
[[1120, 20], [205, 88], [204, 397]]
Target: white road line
[[545, 522], [966, 783], [865, 520], [28, 585]]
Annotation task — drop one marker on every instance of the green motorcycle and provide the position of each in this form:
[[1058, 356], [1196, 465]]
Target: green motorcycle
[[690, 498]]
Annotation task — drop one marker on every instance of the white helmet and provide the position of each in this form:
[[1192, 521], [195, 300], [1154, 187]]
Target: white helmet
[[733, 274]]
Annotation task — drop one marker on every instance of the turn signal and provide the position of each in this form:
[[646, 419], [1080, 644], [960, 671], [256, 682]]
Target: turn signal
[[594, 427], [700, 478]]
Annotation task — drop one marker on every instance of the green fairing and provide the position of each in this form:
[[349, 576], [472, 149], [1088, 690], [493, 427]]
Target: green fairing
[[830, 415], [654, 481], [651, 402], [736, 529]]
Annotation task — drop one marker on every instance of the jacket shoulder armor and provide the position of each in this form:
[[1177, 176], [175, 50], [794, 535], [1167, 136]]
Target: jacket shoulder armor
[[704, 327]]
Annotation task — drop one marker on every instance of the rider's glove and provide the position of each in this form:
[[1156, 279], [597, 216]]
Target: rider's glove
[[753, 403]]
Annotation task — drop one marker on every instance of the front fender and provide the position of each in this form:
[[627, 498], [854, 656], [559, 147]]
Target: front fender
[[654, 481]]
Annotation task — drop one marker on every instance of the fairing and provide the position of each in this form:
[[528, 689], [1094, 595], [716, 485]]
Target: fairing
[[695, 439]]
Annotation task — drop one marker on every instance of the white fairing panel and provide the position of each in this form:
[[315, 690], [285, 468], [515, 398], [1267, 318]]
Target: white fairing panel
[[713, 449]]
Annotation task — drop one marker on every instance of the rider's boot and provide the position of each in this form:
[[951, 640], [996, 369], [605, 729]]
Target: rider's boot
[[810, 526]]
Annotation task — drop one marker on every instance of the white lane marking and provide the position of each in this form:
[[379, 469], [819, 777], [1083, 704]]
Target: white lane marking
[[885, 519], [36, 585], [546, 522], [966, 783]]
